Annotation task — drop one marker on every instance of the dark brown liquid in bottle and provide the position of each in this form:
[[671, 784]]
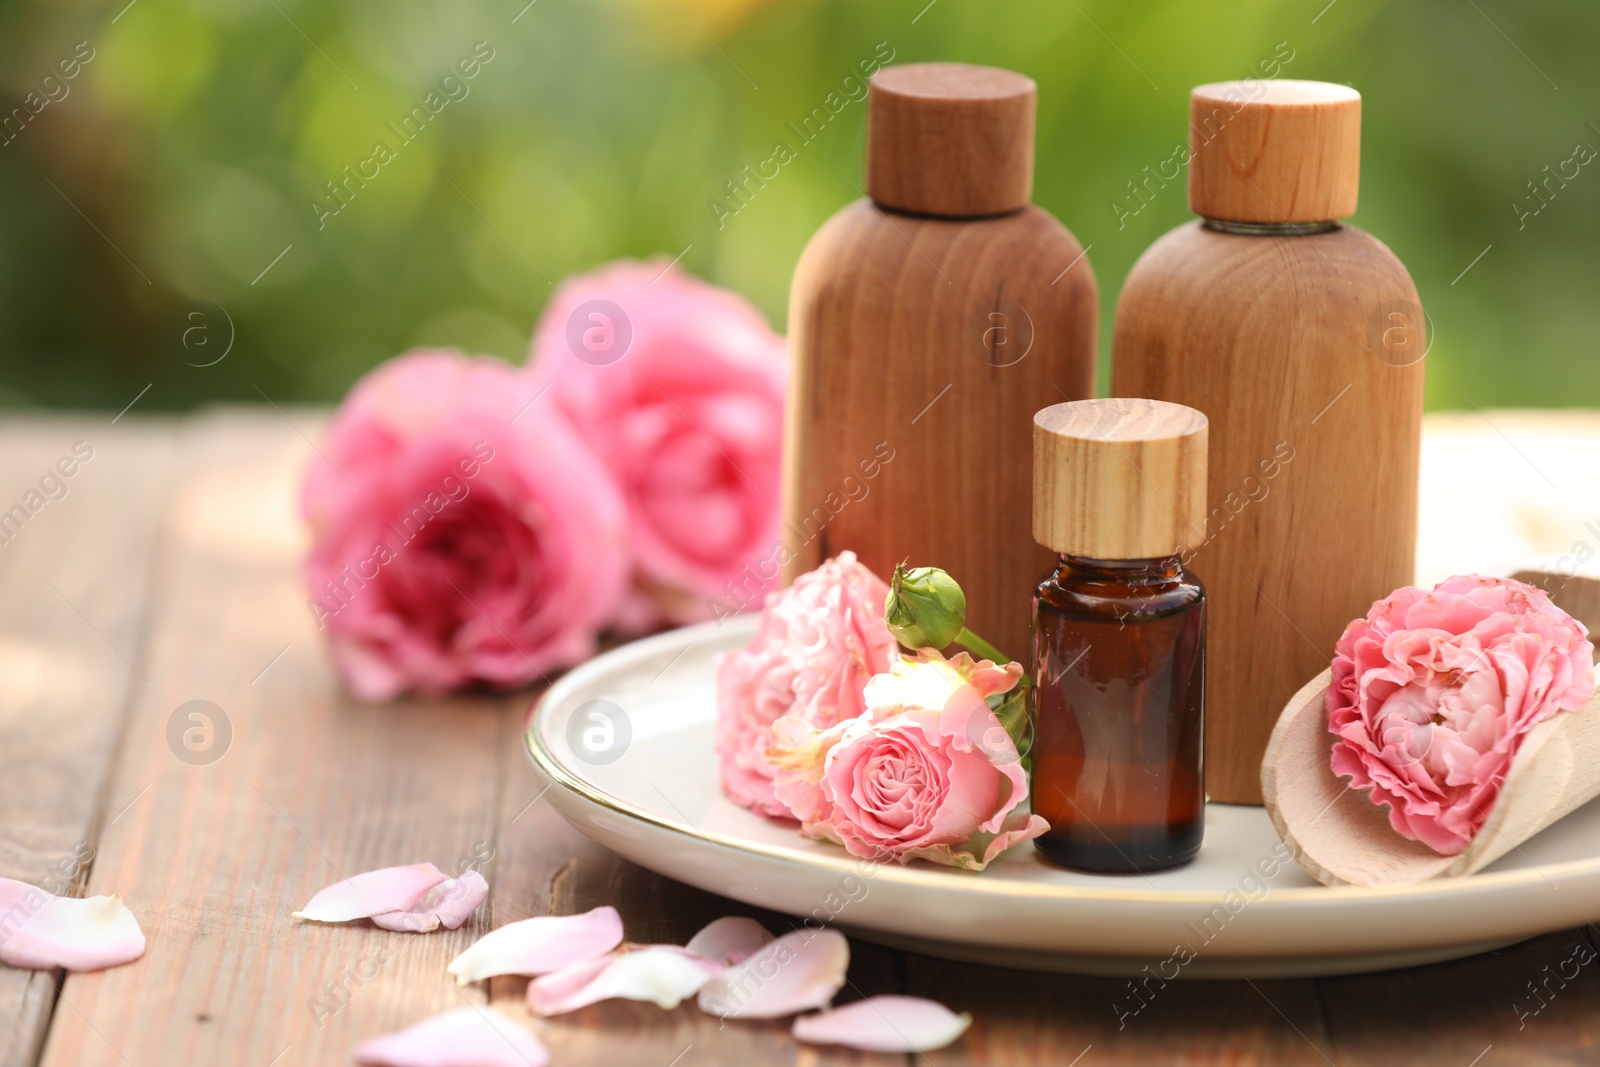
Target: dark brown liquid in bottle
[[1119, 666]]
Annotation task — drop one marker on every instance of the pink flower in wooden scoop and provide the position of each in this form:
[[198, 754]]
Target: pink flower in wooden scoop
[[464, 1037], [885, 1024], [665, 975], [928, 772], [461, 531], [819, 642], [40, 931], [539, 945], [679, 385], [799, 971], [447, 904], [1433, 693], [362, 896]]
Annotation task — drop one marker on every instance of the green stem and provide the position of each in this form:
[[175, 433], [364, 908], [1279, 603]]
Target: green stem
[[973, 643]]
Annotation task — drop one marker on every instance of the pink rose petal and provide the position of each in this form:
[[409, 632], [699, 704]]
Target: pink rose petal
[[539, 945], [447, 904], [362, 896], [665, 975], [420, 921], [41, 932], [799, 971], [457, 904], [983, 849], [730, 939], [885, 1024], [464, 1037]]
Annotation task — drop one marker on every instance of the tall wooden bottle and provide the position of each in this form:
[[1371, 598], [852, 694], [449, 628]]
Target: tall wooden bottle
[[1301, 339], [927, 323]]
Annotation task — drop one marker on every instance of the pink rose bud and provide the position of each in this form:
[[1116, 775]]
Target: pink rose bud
[[926, 607]]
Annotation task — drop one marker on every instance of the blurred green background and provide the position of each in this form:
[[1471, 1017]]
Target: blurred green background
[[145, 210]]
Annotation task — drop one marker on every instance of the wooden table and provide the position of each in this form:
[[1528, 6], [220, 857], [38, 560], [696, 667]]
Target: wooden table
[[170, 573]]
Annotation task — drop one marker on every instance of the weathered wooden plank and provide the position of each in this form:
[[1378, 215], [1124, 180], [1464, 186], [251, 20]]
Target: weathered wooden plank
[[1536, 1004], [311, 787], [74, 582]]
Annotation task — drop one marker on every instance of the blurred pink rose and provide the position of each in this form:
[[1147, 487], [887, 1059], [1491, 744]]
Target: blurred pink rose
[[819, 642], [927, 772], [458, 533], [1433, 693], [679, 387]]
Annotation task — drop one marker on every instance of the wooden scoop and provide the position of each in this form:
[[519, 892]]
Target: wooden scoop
[[1343, 838]]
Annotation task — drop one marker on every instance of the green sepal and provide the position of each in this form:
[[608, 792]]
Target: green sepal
[[1012, 712]]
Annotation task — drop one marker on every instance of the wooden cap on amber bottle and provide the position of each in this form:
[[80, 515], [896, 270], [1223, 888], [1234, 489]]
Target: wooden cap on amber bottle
[[1274, 151], [1119, 478], [950, 139]]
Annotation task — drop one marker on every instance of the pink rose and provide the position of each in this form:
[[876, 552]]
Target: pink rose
[[819, 642], [927, 772], [1433, 693], [458, 534], [679, 387]]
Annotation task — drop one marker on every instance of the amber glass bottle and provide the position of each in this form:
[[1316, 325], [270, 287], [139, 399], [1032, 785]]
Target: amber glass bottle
[[1119, 635], [1119, 647]]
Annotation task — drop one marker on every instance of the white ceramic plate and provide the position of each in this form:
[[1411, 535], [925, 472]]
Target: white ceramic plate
[[651, 794]]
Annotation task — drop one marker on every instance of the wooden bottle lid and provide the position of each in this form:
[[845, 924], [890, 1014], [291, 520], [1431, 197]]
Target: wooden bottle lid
[[1119, 478], [950, 139], [1274, 151]]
